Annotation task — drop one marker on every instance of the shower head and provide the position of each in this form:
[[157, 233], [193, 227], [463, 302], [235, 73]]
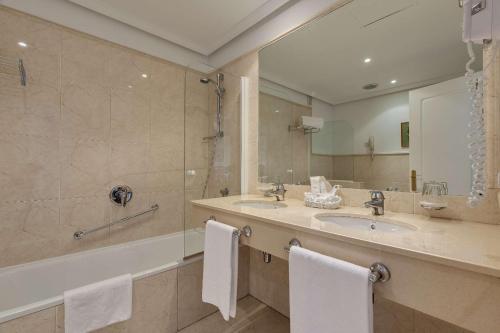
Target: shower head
[[218, 84]]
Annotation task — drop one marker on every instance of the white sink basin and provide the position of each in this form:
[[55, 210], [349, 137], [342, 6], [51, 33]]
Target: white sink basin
[[260, 204], [367, 224]]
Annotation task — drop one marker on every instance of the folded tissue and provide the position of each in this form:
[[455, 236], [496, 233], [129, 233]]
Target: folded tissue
[[322, 194]]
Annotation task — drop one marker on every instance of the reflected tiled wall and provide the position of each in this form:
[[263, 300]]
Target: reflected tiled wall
[[88, 120], [283, 155], [382, 172]]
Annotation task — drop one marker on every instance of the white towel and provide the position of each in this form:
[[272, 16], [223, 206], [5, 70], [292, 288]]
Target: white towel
[[328, 295], [220, 268], [98, 305]]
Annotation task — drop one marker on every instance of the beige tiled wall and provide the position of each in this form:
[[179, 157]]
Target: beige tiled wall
[[382, 172], [269, 284], [407, 202], [89, 120], [492, 113]]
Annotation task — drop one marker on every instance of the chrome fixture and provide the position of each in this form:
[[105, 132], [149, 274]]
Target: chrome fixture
[[219, 90], [13, 66], [245, 231], [82, 233], [376, 203], [224, 192], [279, 191], [121, 194], [266, 256], [292, 242], [378, 271]]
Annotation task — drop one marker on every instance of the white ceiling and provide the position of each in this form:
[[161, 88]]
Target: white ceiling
[[416, 42], [200, 25]]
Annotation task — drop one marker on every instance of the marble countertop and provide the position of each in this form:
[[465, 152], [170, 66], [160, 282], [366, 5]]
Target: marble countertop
[[461, 244]]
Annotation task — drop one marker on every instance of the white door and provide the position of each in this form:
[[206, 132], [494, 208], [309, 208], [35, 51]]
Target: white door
[[439, 118]]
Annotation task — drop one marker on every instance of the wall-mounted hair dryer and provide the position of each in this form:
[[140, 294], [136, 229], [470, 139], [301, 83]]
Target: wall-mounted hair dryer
[[481, 25], [481, 20]]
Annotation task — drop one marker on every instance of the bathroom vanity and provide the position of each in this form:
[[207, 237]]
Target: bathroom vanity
[[445, 268]]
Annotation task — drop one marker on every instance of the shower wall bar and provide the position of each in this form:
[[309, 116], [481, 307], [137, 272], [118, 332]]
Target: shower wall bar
[[82, 233]]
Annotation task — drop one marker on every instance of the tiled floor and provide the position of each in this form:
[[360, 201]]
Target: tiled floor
[[252, 316]]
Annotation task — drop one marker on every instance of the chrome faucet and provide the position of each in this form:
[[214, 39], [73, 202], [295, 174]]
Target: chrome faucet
[[279, 191], [376, 203]]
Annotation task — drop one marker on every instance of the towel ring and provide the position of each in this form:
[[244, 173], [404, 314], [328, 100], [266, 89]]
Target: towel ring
[[245, 231], [378, 271]]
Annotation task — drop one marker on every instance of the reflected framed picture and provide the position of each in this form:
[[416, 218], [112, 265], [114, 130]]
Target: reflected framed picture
[[405, 135]]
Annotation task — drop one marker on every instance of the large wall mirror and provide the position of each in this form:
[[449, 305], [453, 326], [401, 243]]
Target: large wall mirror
[[366, 108]]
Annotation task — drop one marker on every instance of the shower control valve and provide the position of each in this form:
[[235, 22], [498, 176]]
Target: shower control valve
[[121, 195]]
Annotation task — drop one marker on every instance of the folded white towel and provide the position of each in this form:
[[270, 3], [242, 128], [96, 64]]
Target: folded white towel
[[328, 295], [315, 184], [98, 305], [220, 268]]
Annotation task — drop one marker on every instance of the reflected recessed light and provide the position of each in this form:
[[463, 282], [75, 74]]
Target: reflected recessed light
[[130, 86], [276, 111], [394, 81], [145, 76], [367, 60], [22, 44]]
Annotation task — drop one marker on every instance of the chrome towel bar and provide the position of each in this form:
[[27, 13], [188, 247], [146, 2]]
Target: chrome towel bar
[[245, 231], [82, 233], [378, 271]]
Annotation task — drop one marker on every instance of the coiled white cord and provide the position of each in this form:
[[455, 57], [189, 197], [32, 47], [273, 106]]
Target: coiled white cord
[[477, 132]]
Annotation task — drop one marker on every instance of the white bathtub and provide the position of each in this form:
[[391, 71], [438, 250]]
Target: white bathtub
[[39, 285]]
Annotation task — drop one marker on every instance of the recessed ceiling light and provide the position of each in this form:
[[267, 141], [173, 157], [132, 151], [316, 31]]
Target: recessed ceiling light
[[367, 60], [22, 44], [145, 76], [276, 111], [394, 81]]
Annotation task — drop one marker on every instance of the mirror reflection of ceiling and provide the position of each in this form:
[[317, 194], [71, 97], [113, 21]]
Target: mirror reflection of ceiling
[[415, 42]]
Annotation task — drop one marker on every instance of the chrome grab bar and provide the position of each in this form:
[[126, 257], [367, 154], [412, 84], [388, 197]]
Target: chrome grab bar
[[245, 231], [378, 271], [82, 233]]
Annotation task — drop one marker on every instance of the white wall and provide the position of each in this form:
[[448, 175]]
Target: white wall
[[380, 117]]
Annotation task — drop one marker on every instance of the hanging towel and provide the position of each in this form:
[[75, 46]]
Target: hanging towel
[[220, 268], [98, 305], [328, 295]]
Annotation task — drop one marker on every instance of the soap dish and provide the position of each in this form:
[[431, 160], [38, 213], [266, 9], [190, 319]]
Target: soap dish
[[432, 205]]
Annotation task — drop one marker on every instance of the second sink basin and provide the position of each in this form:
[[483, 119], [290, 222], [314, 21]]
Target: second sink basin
[[260, 204], [362, 223]]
